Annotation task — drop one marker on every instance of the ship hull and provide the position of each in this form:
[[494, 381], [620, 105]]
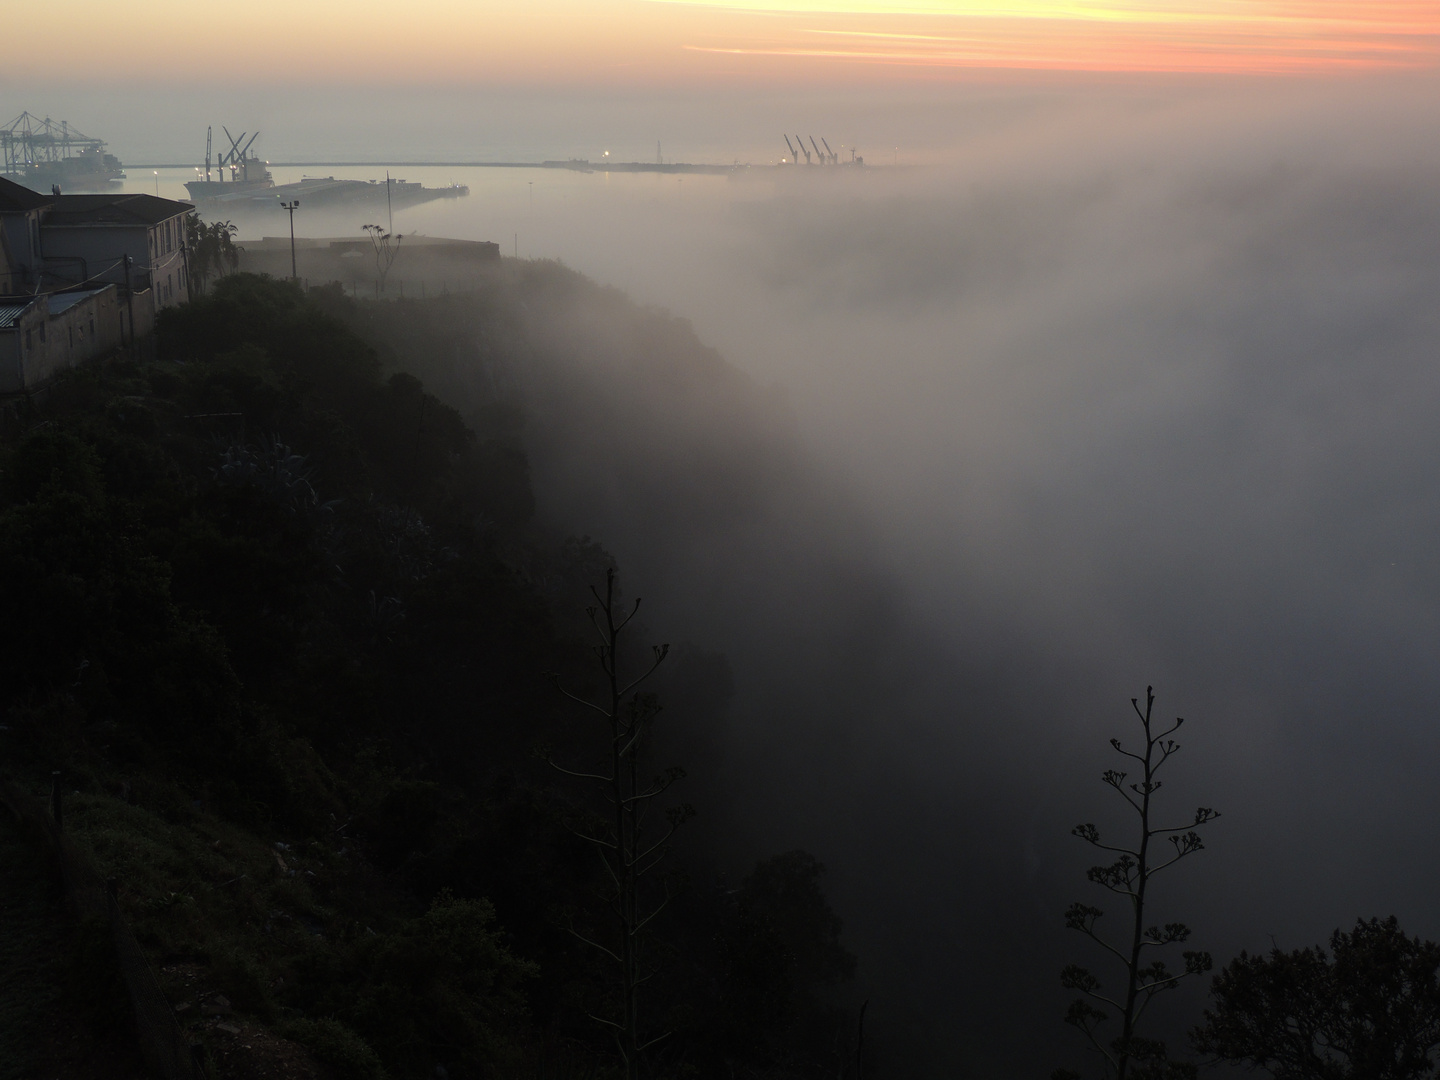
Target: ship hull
[[212, 189], [325, 194], [69, 175]]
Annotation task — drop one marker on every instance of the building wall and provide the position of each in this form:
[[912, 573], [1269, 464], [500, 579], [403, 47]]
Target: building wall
[[103, 249], [157, 262], [18, 342], [42, 345], [82, 332], [9, 271], [167, 262], [22, 236], [142, 305]]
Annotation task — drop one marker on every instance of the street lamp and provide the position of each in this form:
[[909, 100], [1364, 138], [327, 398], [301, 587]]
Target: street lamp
[[291, 207]]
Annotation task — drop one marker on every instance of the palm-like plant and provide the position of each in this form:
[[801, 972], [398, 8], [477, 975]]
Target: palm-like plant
[[212, 249]]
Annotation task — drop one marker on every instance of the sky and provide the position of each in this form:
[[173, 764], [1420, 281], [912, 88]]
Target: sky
[[685, 43]]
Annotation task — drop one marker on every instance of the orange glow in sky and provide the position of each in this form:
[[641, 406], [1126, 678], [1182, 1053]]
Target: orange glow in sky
[[1104, 35], [688, 42]]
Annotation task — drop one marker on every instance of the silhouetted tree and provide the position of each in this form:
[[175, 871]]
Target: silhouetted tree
[[630, 852], [1371, 1009], [1128, 1055], [212, 248], [779, 942], [387, 246]]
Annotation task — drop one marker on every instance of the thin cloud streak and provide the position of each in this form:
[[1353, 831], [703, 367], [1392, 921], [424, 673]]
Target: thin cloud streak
[[1117, 58], [1218, 38]]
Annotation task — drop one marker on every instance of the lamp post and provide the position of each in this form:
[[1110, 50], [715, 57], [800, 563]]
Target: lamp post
[[291, 207]]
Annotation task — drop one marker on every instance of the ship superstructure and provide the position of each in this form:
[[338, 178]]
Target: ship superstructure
[[246, 171]]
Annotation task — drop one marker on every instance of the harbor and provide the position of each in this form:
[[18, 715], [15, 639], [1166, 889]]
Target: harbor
[[49, 155], [241, 184]]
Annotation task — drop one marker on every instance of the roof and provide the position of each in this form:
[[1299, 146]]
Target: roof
[[137, 209], [11, 308], [17, 198], [64, 301]]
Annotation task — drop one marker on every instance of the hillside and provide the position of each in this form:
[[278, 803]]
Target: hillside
[[281, 616]]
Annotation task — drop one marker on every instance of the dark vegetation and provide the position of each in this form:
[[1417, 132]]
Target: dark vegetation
[[62, 1006], [210, 249], [290, 623], [1368, 1010], [280, 615]]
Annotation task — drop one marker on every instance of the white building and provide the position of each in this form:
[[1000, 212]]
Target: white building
[[133, 241], [41, 336], [82, 274]]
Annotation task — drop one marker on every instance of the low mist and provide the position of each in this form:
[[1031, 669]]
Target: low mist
[[1085, 388], [1135, 390]]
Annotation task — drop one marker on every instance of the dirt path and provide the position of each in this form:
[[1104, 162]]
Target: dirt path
[[63, 1015]]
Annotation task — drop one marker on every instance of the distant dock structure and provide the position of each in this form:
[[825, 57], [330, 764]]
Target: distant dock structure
[[822, 157]]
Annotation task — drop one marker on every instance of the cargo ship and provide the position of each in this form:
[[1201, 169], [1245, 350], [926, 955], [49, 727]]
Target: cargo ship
[[247, 171], [47, 156], [325, 193]]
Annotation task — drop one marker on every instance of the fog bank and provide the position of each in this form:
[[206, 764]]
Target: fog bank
[[1113, 397]]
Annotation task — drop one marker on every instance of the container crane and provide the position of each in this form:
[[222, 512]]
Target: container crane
[[818, 154], [794, 157], [834, 157], [801, 141]]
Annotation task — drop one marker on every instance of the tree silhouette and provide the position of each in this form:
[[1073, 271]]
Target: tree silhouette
[[386, 246], [778, 943], [1371, 1009], [1128, 1055], [629, 852], [212, 248]]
